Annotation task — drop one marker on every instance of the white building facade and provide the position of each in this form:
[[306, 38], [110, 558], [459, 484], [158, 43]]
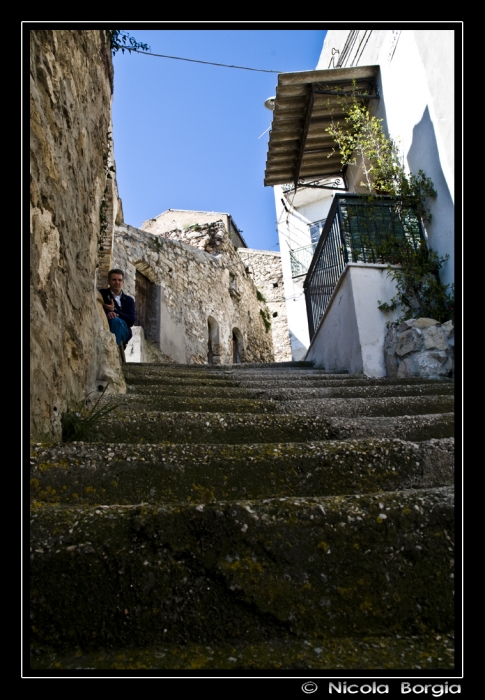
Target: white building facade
[[409, 75]]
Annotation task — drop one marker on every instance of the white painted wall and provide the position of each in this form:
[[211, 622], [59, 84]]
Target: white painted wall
[[294, 232], [416, 85], [417, 105], [352, 331]]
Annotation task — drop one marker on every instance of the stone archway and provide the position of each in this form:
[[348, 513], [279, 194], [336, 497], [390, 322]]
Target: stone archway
[[237, 346], [213, 342]]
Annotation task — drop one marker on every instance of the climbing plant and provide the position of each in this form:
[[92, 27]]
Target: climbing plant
[[362, 142], [420, 291], [265, 316]]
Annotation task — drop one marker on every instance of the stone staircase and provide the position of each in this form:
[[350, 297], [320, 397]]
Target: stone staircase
[[249, 517]]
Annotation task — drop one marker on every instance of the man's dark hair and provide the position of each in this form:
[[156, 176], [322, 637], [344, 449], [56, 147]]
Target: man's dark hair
[[115, 272]]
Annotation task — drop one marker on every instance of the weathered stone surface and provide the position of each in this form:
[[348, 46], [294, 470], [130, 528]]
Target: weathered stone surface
[[200, 291], [425, 323], [434, 339], [265, 269], [434, 364], [431, 652], [71, 84], [409, 341], [276, 527], [390, 357], [405, 325], [185, 225], [179, 473], [377, 553], [108, 367], [423, 350], [448, 328]]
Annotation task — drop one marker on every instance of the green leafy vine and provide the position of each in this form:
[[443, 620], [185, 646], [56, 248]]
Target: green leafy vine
[[120, 40], [362, 142]]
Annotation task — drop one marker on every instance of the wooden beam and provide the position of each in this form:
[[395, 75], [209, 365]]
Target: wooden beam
[[306, 124]]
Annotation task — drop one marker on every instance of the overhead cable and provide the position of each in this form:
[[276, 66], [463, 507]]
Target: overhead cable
[[207, 63]]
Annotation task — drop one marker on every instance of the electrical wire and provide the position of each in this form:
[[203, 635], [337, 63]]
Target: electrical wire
[[299, 239], [207, 63]]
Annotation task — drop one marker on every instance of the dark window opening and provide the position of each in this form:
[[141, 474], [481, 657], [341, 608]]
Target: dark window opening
[[275, 314]]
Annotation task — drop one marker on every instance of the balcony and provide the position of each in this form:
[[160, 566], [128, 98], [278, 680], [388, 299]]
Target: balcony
[[301, 259], [355, 229]]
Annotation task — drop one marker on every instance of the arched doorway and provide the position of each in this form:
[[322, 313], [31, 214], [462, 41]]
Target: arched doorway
[[237, 346], [213, 345]]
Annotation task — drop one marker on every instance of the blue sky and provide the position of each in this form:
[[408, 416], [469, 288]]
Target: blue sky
[[186, 134]]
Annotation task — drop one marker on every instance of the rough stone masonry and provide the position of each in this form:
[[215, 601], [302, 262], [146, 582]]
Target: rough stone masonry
[[203, 304], [71, 82]]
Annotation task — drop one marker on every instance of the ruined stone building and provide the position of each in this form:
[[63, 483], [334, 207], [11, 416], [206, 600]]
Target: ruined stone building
[[262, 267], [196, 301]]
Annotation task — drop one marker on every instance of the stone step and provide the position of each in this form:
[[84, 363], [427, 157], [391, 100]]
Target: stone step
[[91, 474], [153, 393], [233, 428], [207, 402], [162, 383], [353, 407], [249, 571], [218, 369], [227, 379], [428, 652], [248, 517]]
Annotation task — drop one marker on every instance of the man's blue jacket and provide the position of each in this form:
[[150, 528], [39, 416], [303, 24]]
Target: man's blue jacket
[[126, 312]]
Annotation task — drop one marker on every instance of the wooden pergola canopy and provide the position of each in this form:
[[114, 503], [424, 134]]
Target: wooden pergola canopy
[[305, 104]]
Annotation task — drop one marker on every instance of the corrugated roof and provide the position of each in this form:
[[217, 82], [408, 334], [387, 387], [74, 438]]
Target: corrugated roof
[[306, 102]]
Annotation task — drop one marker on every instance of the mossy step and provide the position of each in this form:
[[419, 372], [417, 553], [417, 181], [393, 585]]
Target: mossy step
[[226, 390], [179, 367], [341, 566], [429, 652], [208, 404], [233, 428], [144, 384], [154, 374], [369, 406], [214, 391], [414, 428], [189, 383], [326, 380], [199, 427], [125, 474]]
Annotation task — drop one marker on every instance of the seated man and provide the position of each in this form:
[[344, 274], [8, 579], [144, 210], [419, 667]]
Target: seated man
[[119, 307]]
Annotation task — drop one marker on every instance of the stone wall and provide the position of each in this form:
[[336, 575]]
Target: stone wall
[[71, 80], [173, 220], [200, 292], [420, 348], [265, 269]]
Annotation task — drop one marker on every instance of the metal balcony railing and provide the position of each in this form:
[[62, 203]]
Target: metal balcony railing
[[300, 259], [356, 228]]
